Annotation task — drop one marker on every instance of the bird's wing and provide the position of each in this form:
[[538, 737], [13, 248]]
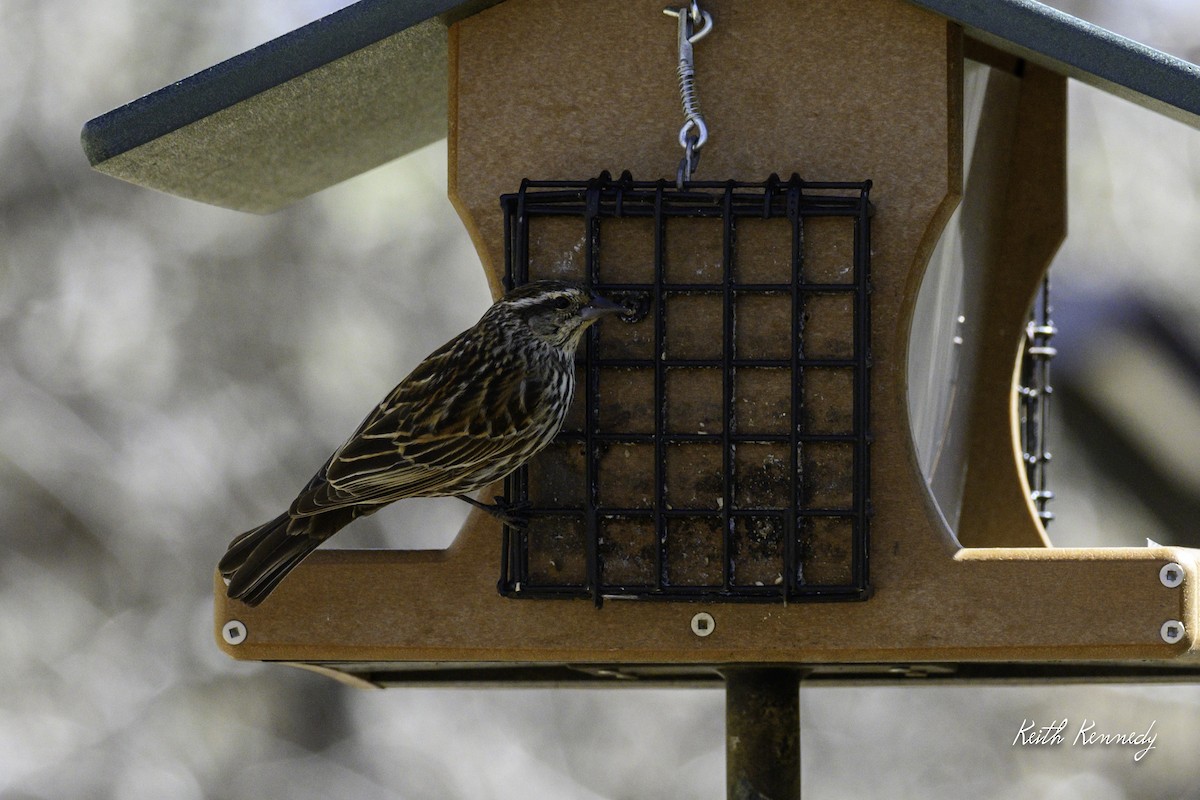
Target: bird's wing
[[441, 423]]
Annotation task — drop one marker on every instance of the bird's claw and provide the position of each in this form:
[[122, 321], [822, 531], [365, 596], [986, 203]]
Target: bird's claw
[[514, 514]]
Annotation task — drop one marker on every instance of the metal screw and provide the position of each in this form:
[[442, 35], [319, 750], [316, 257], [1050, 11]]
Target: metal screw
[[234, 632], [1171, 575], [1172, 631], [703, 624]]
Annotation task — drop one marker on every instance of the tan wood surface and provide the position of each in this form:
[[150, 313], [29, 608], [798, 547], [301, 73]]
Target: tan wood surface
[[1032, 223]]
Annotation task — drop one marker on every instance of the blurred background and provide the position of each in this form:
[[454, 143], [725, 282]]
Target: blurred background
[[171, 373]]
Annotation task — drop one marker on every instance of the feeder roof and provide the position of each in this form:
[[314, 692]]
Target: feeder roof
[[368, 84]]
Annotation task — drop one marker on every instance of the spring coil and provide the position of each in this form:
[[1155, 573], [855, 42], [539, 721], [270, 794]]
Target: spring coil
[[691, 106]]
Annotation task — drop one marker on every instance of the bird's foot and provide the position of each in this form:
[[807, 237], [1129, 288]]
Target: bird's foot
[[514, 514]]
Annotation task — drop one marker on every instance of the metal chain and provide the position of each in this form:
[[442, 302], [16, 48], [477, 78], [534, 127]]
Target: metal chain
[[694, 25]]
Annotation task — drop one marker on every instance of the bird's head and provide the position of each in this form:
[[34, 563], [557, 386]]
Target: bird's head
[[555, 311]]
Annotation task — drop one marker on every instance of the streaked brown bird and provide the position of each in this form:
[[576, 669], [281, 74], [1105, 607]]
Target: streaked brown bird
[[477, 408]]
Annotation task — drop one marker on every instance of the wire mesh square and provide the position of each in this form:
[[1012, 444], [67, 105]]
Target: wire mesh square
[[719, 447]]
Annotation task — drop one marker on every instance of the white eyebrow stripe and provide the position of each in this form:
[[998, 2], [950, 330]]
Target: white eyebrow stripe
[[525, 302]]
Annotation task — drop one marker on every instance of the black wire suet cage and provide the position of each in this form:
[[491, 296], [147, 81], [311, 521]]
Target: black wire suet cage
[[719, 443]]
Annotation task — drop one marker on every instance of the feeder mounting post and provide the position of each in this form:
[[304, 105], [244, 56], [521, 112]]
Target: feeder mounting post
[[762, 732]]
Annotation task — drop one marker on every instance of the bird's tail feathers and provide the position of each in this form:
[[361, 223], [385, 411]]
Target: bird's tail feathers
[[257, 560]]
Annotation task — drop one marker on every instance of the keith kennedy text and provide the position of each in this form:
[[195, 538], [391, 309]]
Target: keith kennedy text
[[1086, 735]]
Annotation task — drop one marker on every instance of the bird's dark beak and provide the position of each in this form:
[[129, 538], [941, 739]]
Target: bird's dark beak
[[599, 307]]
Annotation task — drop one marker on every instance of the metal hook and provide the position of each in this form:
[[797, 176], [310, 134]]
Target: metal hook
[[688, 20], [694, 132], [699, 16], [689, 162]]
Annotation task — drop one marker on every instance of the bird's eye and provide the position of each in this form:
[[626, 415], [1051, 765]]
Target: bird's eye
[[561, 303]]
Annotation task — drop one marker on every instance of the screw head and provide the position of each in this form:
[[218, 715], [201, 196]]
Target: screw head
[[1171, 575], [234, 632], [1172, 631], [703, 624]]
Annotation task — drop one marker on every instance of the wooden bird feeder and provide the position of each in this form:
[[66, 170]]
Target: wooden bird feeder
[[751, 442]]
